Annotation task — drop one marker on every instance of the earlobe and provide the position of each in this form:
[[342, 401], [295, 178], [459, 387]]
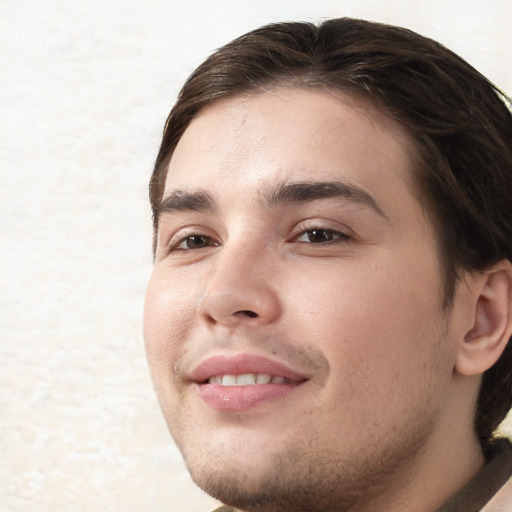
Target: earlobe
[[491, 309]]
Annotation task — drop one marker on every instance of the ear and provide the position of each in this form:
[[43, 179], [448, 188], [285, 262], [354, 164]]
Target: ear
[[491, 317]]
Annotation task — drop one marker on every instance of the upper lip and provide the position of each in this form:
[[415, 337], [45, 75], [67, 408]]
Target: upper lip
[[239, 364]]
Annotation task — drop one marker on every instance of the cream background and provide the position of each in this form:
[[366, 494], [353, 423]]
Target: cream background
[[85, 87]]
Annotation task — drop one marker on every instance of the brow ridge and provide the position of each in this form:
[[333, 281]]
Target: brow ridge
[[284, 193], [180, 200], [306, 191]]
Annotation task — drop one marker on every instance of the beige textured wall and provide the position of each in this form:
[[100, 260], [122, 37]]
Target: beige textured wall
[[84, 90]]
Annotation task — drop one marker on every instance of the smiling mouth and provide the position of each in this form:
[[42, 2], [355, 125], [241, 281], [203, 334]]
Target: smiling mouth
[[242, 382], [248, 379], [244, 370], [238, 393]]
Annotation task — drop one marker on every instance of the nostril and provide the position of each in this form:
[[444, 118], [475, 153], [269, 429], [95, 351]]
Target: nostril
[[247, 312]]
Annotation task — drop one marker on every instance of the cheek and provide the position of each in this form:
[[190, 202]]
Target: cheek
[[385, 343], [168, 310], [373, 320]]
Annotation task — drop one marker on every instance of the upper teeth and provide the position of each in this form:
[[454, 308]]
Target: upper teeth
[[247, 379]]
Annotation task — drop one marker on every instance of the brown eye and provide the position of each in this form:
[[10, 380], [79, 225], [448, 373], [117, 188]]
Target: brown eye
[[196, 242], [321, 236]]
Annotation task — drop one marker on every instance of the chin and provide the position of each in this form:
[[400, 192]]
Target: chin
[[262, 480], [270, 491]]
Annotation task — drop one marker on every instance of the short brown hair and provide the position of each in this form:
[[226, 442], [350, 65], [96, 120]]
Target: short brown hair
[[459, 122]]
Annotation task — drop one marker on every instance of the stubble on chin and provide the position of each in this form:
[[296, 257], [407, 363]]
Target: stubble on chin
[[294, 481]]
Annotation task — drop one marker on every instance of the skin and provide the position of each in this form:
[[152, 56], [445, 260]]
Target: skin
[[344, 290]]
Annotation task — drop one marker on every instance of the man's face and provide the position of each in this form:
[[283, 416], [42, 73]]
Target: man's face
[[293, 320]]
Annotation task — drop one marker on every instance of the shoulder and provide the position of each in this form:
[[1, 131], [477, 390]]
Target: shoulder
[[502, 500]]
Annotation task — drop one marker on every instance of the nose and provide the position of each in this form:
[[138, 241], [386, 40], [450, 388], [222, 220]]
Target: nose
[[240, 290]]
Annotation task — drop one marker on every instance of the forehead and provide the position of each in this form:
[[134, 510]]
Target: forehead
[[288, 135]]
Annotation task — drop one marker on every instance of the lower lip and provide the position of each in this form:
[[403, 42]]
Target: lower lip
[[242, 398]]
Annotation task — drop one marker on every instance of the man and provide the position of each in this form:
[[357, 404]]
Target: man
[[329, 315]]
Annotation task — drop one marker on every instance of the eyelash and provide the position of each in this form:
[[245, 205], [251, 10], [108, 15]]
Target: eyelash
[[330, 237], [175, 246], [334, 236]]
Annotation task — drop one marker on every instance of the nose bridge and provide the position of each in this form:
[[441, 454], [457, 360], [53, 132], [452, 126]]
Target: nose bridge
[[240, 287]]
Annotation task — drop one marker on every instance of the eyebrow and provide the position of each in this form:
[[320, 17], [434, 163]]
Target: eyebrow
[[303, 192], [180, 200], [284, 193]]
